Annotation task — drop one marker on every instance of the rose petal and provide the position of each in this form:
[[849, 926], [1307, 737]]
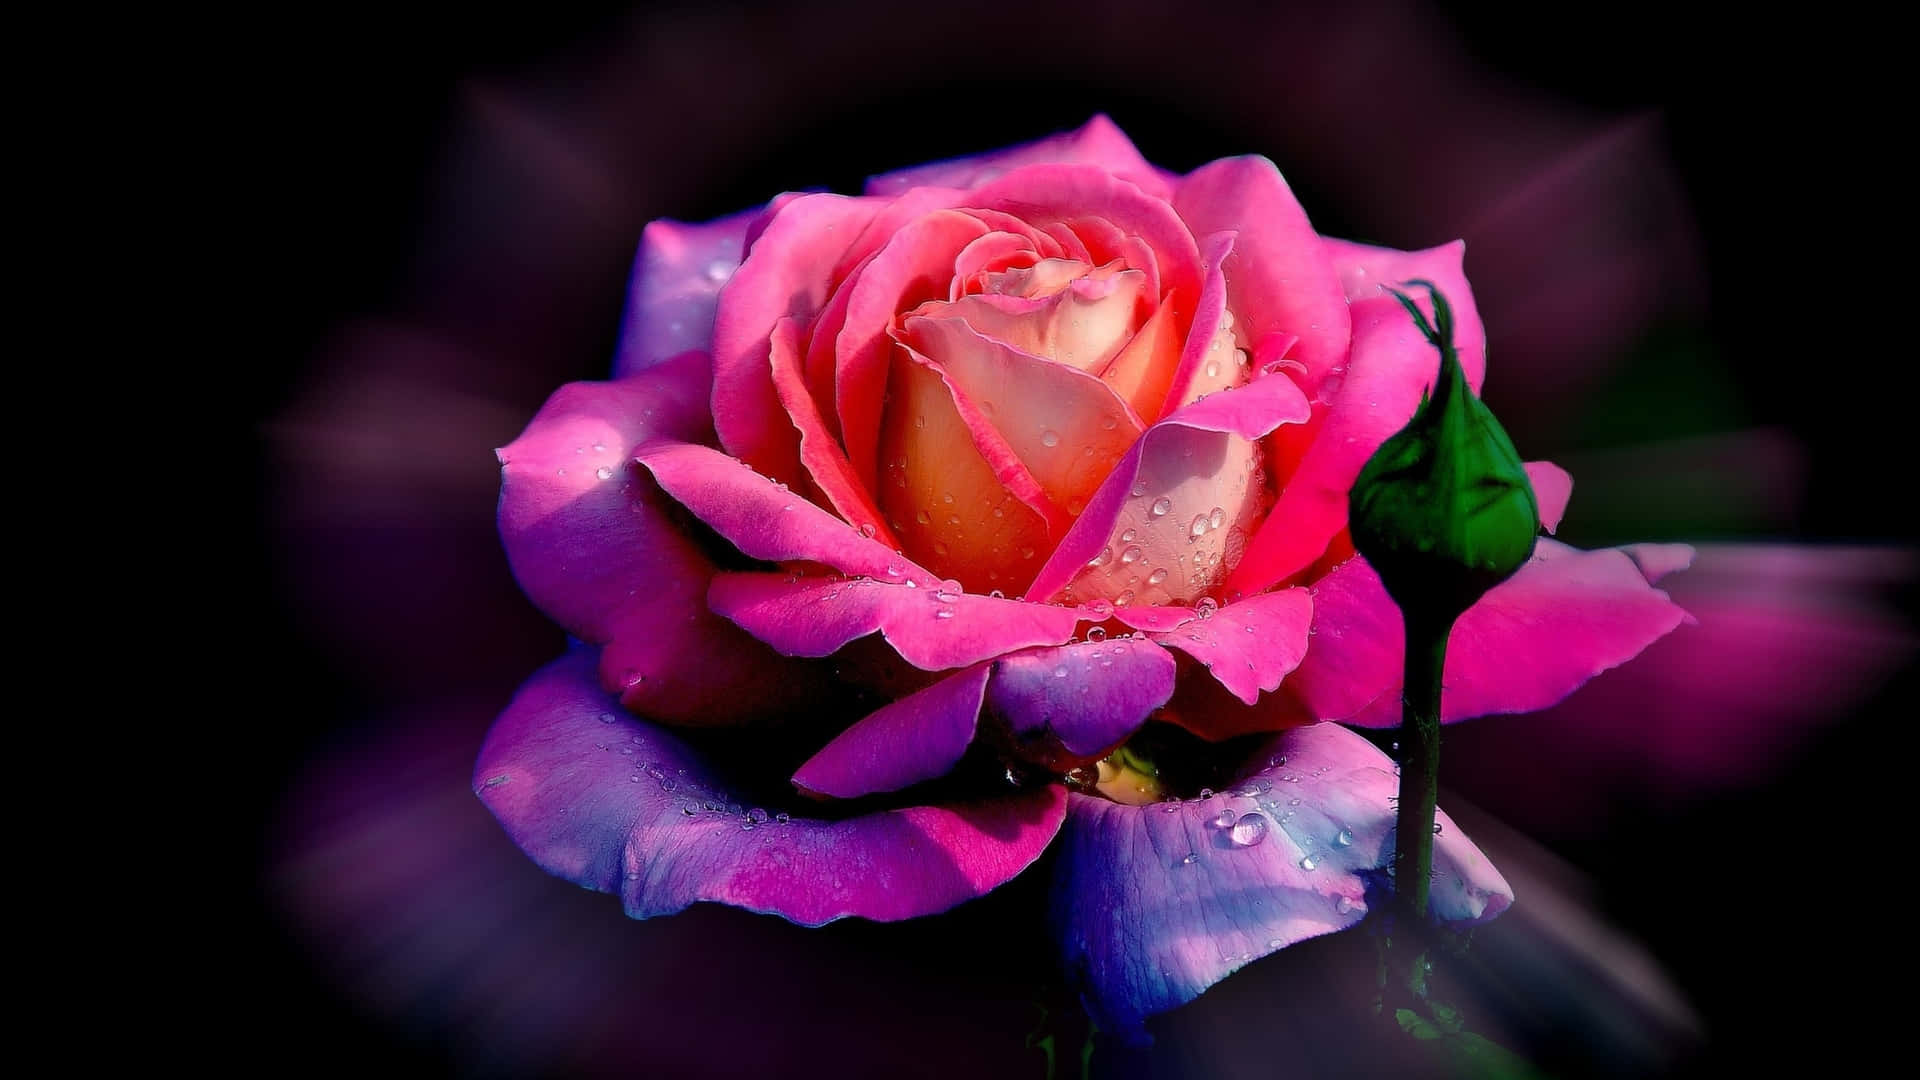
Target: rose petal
[[1249, 646], [1565, 617], [590, 543], [1144, 370], [1085, 324], [825, 462], [552, 772], [787, 274], [1089, 697], [917, 738], [1154, 904], [1208, 359], [763, 518], [1279, 278], [1099, 142], [677, 278], [1199, 459], [814, 617], [957, 496], [1365, 271], [1552, 487], [914, 266], [1066, 427], [1390, 367]]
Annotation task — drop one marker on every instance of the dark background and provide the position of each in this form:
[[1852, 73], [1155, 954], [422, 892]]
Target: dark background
[[1679, 303]]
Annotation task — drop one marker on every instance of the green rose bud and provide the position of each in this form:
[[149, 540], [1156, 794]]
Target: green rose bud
[[1443, 511]]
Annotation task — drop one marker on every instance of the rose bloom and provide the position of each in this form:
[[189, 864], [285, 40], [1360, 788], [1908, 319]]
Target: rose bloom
[[1000, 507]]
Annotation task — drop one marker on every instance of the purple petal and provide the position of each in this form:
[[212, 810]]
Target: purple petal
[[1088, 696], [1099, 142], [1251, 645], [660, 828], [1565, 617], [919, 737], [1154, 904], [932, 628], [676, 284]]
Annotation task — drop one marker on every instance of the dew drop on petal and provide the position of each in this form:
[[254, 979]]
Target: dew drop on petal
[[1249, 830], [1225, 819], [1131, 555], [1199, 526], [866, 529], [923, 518], [1306, 862], [1343, 904], [1097, 634], [1049, 438], [943, 613], [604, 472], [1127, 537], [1344, 838], [1160, 506], [1157, 576], [1216, 517], [1123, 599], [1192, 857], [1205, 607]]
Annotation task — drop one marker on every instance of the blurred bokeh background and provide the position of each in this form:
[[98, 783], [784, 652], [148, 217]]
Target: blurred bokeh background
[[1666, 229]]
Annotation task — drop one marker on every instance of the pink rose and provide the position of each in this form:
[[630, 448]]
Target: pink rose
[[956, 487]]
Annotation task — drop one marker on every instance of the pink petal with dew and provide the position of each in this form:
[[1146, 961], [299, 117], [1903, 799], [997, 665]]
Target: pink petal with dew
[[660, 829], [1567, 616], [1279, 278], [1189, 487], [1249, 645], [1154, 904], [1099, 142], [820, 452], [931, 628], [676, 284], [789, 273]]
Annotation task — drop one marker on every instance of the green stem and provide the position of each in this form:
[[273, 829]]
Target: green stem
[[1419, 760]]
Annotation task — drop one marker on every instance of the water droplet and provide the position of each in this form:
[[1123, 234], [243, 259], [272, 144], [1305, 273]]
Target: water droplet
[[1192, 856], [1157, 576], [1160, 506], [1343, 838], [1225, 819], [1436, 828], [1216, 517], [1249, 830], [688, 810], [496, 781], [912, 584], [923, 518], [1127, 537], [1109, 424], [1199, 527], [866, 529], [1099, 609], [1131, 555], [1343, 904], [997, 595], [718, 269], [940, 548], [1026, 553], [895, 569], [1205, 607], [635, 778], [758, 816], [1213, 366], [1240, 357], [1101, 559], [1060, 672], [1123, 599], [1049, 438], [783, 817], [943, 613], [1306, 862], [919, 421]]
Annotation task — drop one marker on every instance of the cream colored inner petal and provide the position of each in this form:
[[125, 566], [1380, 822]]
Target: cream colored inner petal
[[942, 498], [1085, 324], [1187, 519], [1143, 370], [1224, 364]]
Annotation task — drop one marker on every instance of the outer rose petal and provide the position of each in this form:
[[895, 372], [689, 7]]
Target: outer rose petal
[[1364, 271], [677, 278], [788, 273], [1552, 487], [1249, 646], [588, 540], [1114, 210], [1565, 617], [1099, 142], [554, 774], [1154, 904], [931, 629], [1279, 279], [1084, 699], [1391, 365]]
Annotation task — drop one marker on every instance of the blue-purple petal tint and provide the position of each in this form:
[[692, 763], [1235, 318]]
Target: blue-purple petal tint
[[615, 804], [1154, 904]]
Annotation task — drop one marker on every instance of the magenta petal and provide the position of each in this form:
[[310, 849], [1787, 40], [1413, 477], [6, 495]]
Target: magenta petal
[[1089, 696], [1154, 904], [1565, 617], [555, 773], [1364, 270], [763, 518], [919, 737], [581, 529], [1279, 278], [676, 284], [789, 272], [1099, 142], [1249, 646], [1552, 487], [931, 628]]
